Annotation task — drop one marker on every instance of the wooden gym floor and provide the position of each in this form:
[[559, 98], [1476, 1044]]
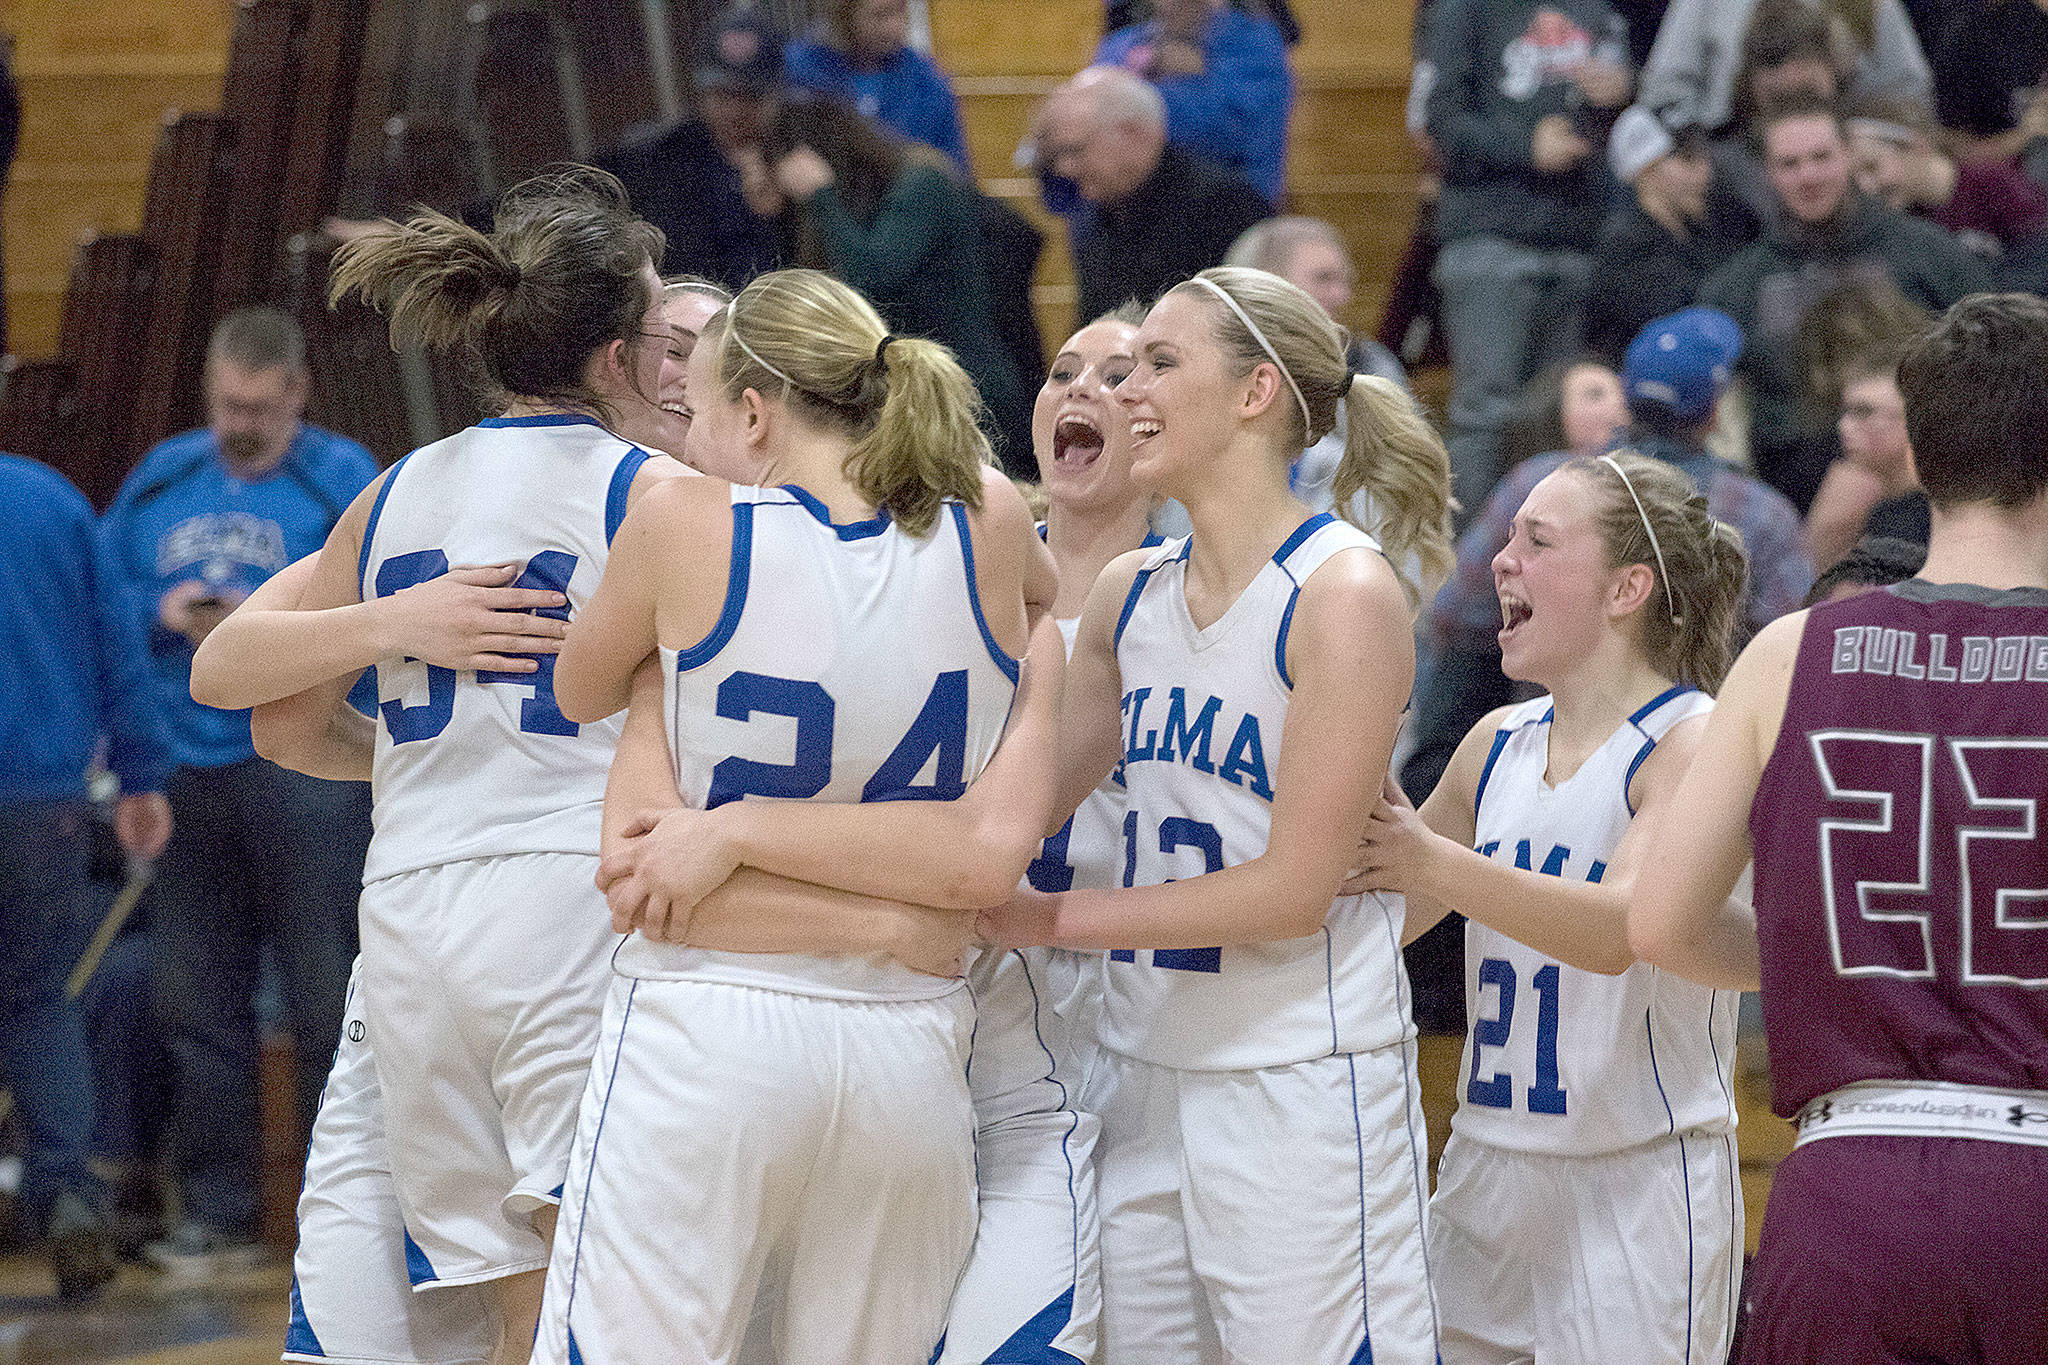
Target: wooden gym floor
[[240, 1321]]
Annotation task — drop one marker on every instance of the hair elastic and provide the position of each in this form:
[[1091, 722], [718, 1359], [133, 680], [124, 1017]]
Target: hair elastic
[[882, 351], [1670, 604], [1308, 424]]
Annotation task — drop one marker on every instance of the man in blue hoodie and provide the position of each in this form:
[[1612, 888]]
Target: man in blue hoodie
[[261, 855], [72, 673]]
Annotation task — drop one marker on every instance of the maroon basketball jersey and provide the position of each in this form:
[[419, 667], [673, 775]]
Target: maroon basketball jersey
[[1901, 862]]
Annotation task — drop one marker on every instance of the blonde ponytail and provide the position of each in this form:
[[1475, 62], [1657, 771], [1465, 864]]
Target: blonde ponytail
[[1391, 453], [925, 445], [817, 345], [1394, 456]]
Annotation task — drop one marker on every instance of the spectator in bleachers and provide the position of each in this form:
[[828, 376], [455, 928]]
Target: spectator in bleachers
[[892, 220], [1655, 252], [1691, 76], [261, 857], [704, 180], [859, 51], [1788, 50], [1870, 490], [1675, 375], [1825, 233], [1573, 405], [1151, 214], [1224, 76], [1989, 59], [72, 672], [1992, 207], [1523, 96]]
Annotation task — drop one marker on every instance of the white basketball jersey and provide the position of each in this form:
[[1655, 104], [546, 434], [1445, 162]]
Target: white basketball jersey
[[1087, 853], [851, 663], [1557, 1059], [1204, 712], [473, 765]]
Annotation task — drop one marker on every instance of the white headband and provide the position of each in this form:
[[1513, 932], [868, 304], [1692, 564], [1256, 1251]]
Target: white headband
[[1308, 424], [1670, 605], [755, 356]]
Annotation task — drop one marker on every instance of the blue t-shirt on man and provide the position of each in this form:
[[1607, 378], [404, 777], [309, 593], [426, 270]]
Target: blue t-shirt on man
[[182, 516]]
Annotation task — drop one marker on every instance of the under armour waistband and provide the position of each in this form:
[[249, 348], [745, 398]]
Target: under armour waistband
[[1926, 1109]]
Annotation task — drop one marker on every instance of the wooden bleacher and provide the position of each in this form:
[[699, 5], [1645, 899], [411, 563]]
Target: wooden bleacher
[[225, 133], [1349, 158]]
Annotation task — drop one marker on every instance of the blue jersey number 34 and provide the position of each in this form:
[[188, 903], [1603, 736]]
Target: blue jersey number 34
[[549, 571]]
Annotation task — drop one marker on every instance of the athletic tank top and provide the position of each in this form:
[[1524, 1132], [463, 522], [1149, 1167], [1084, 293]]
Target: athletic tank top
[[1204, 712], [851, 663], [474, 765], [1558, 1059], [1901, 866]]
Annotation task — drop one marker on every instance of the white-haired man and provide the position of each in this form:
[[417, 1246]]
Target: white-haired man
[[1152, 214]]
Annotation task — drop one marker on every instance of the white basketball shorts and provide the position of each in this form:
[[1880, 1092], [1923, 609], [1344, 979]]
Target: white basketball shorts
[[1032, 1291], [483, 983], [350, 1299], [1268, 1217], [732, 1136], [1635, 1255]]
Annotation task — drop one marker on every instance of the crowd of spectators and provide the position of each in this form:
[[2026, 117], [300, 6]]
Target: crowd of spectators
[[1700, 228]]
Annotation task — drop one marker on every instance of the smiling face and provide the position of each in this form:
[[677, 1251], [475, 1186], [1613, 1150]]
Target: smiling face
[[683, 315], [1554, 582], [1081, 435], [717, 439], [1182, 399]]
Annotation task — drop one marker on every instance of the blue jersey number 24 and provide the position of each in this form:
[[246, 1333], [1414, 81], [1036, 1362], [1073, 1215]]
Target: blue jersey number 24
[[548, 571]]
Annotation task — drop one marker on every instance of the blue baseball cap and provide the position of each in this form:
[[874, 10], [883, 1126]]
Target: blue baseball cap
[[1682, 364]]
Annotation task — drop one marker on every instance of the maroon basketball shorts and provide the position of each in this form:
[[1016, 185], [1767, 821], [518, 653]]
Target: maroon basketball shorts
[[1896, 1249]]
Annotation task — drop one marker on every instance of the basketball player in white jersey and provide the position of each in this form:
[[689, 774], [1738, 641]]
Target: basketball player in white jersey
[[480, 981], [1031, 1290], [1588, 1205], [850, 635], [1094, 512], [351, 1293], [1261, 1160]]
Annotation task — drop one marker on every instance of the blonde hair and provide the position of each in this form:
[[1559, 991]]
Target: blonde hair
[[1700, 567], [1391, 453], [558, 277], [821, 348]]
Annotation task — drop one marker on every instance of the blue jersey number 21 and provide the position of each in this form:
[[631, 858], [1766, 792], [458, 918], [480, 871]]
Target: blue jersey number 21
[[1498, 1091], [549, 571]]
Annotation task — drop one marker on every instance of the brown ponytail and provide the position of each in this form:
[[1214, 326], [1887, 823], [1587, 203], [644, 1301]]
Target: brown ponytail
[[558, 277]]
